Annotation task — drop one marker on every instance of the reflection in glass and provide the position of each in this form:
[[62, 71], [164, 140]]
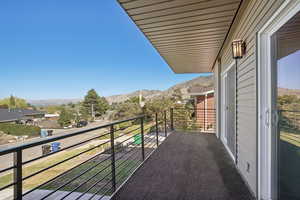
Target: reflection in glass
[[288, 104]]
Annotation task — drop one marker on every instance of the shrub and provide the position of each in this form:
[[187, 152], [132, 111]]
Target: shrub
[[20, 129]]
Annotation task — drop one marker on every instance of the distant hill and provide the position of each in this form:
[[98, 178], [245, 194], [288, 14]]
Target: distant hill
[[202, 81], [285, 91], [47, 102], [123, 97]]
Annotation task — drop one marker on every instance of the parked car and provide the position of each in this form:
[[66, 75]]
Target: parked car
[[81, 124]]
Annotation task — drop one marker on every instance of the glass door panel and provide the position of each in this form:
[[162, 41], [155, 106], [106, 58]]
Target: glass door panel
[[230, 114], [287, 104]]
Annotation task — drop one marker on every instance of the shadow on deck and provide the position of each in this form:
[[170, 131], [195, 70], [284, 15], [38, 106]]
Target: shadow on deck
[[186, 166]]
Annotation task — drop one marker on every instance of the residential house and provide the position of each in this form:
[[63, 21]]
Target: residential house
[[18, 115], [53, 117], [204, 106]]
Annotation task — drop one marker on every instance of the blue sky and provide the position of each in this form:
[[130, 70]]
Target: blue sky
[[62, 48], [289, 71]]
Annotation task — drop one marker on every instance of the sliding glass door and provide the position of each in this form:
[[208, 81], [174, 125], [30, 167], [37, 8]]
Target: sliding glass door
[[229, 110], [286, 107]]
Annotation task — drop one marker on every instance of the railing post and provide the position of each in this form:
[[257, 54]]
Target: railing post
[[156, 127], [279, 121], [18, 190], [113, 159], [165, 120], [204, 119], [142, 137], [172, 118]]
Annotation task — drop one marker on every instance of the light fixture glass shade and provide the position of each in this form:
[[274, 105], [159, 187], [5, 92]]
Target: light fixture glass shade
[[238, 49]]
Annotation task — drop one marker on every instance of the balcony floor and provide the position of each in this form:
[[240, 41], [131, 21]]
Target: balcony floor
[[187, 166]]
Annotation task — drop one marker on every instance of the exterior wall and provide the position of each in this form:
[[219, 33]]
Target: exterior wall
[[200, 102], [217, 98], [200, 106], [252, 16], [205, 115], [210, 102], [210, 112]]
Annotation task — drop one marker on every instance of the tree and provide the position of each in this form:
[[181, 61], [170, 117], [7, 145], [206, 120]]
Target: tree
[[93, 104], [177, 95], [129, 108], [287, 99], [158, 104], [65, 118], [4, 106], [12, 102], [71, 105]]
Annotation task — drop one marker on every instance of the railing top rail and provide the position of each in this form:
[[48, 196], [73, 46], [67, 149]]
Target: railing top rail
[[295, 111], [55, 138], [193, 108]]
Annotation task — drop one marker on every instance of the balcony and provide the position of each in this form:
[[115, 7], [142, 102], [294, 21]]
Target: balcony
[[187, 166], [163, 156]]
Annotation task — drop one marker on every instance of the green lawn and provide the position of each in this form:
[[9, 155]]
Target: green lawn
[[104, 174]]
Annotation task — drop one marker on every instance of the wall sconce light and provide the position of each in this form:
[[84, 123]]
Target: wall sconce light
[[238, 49]]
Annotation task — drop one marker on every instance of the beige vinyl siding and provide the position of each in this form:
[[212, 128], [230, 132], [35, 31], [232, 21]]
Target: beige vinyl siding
[[252, 16], [217, 99]]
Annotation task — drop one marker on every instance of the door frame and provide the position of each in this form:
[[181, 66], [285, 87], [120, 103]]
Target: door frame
[[267, 172], [224, 124]]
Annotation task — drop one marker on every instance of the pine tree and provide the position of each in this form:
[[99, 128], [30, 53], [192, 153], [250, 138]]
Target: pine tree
[[93, 104], [65, 118]]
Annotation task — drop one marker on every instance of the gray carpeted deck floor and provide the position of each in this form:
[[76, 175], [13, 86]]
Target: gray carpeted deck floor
[[191, 166]]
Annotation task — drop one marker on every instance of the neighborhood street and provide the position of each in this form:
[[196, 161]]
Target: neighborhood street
[[7, 160]]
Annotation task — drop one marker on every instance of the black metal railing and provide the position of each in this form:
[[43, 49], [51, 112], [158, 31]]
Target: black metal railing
[[289, 126], [288, 149], [193, 119], [93, 167], [289, 120]]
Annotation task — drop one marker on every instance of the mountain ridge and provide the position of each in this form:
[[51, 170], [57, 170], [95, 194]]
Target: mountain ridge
[[202, 81]]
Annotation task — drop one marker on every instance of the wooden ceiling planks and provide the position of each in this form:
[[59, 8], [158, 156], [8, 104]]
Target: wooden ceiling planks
[[188, 34]]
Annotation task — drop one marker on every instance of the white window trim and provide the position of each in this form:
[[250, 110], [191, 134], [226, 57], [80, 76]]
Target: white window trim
[[267, 189], [223, 117]]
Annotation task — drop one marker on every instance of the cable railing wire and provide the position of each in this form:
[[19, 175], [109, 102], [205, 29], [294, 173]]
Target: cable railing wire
[[58, 163], [194, 119], [6, 169], [64, 173], [127, 133], [93, 185], [74, 178], [63, 149], [124, 162], [86, 181], [97, 191]]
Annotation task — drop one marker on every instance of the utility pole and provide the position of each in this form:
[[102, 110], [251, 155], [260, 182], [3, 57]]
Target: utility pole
[[93, 113], [142, 104]]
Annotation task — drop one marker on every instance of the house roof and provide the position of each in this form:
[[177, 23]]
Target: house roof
[[8, 115], [188, 34], [198, 90]]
